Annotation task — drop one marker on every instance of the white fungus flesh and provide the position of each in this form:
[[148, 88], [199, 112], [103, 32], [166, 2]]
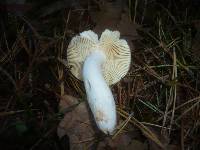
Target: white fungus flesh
[[99, 95], [99, 63]]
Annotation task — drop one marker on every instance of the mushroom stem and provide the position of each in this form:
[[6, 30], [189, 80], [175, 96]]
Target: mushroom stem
[[99, 95]]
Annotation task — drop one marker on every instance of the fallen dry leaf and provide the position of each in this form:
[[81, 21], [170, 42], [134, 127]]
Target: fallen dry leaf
[[127, 28], [112, 16], [121, 142], [76, 122], [108, 17], [78, 126]]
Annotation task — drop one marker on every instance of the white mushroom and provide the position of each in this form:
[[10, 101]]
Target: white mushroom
[[99, 63]]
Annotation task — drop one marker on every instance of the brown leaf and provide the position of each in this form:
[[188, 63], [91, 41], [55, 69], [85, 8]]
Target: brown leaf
[[76, 123], [127, 28], [111, 16], [121, 142], [108, 17]]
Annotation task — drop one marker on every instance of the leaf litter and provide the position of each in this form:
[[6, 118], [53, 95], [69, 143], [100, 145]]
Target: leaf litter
[[164, 71], [77, 123]]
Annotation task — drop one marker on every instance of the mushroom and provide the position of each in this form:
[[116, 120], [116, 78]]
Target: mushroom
[[99, 63]]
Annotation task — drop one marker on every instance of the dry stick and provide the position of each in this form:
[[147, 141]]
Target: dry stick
[[32, 61], [188, 110], [162, 45], [25, 75], [37, 35], [148, 133], [119, 95], [182, 135], [182, 105], [168, 100], [150, 71], [144, 10], [187, 102], [153, 73], [166, 50], [2, 114], [90, 139], [172, 96], [123, 125], [9, 76], [135, 11], [60, 69], [174, 87], [75, 83], [13, 50], [6, 42], [23, 43], [154, 125], [129, 7]]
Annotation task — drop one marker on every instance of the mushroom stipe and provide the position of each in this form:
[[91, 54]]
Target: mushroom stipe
[[100, 63]]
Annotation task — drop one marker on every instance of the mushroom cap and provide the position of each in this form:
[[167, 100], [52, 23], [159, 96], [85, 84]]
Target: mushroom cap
[[117, 51]]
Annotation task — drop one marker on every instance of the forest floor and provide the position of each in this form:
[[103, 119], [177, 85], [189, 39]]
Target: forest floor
[[43, 106]]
